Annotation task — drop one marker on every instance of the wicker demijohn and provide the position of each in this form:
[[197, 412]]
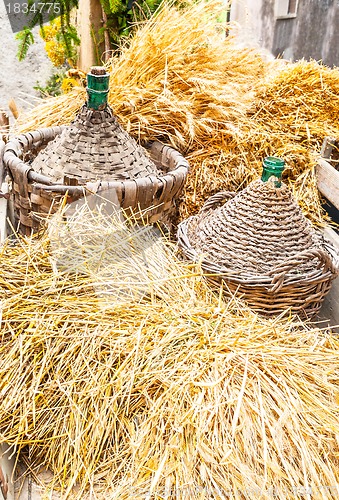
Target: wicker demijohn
[[260, 246], [92, 155]]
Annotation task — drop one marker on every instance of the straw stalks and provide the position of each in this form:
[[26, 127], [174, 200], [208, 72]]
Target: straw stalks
[[177, 79], [174, 394], [226, 107]]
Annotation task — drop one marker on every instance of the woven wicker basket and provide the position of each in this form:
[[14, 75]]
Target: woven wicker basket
[[36, 160], [261, 247]]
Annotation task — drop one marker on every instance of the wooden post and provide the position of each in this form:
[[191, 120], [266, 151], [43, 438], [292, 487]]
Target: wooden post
[[329, 312], [89, 21], [328, 181]]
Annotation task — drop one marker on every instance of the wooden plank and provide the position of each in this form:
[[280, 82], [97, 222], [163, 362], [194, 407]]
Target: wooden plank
[[328, 181], [3, 213], [4, 123], [329, 312], [327, 147], [2, 168]]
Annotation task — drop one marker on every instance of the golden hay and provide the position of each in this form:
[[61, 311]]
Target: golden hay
[[177, 79], [226, 107], [290, 118], [183, 396]]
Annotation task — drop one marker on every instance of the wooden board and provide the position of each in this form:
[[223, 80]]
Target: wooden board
[[89, 22], [3, 212], [2, 169], [328, 181], [329, 312]]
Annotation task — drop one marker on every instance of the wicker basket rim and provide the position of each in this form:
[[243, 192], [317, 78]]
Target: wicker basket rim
[[21, 143]]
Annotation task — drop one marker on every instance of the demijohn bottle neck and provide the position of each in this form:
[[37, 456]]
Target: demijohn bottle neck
[[97, 87], [273, 166]]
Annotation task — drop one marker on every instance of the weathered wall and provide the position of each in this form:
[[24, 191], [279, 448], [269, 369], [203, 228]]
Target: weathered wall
[[266, 20], [313, 33], [245, 14], [17, 79]]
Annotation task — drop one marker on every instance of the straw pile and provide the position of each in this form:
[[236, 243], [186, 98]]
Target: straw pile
[[176, 395], [178, 79], [224, 106], [92, 237]]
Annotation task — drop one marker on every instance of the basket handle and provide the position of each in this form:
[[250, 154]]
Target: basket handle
[[217, 199], [280, 271]]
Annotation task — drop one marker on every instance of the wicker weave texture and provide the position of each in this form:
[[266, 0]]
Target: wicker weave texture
[[260, 246], [93, 147], [37, 195], [254, 230]]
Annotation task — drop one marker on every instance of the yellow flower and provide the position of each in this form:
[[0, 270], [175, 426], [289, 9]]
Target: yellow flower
[[49, 32], [68, 83], [55, 52]]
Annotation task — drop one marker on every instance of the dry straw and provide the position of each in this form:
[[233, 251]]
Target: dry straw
[[174, 395], [177, 78], [121, 258], [224, 106]]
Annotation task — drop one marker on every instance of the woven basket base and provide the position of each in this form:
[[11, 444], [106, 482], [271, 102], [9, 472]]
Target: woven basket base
[[284, 290], [36, 196], [305, 301]]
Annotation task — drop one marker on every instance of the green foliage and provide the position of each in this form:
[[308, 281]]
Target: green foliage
[[122, 16], [106, 6], [26, 39], [67, 37], [53, 85]]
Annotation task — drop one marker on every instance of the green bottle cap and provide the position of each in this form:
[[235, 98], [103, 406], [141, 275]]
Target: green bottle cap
[[97, 87], [273, 166]]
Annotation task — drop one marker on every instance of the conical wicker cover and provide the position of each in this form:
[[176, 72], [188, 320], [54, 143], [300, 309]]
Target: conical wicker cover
[[93, 147], [254, 231]]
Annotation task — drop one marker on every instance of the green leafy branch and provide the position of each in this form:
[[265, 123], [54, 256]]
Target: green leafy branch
[[67, 36]]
